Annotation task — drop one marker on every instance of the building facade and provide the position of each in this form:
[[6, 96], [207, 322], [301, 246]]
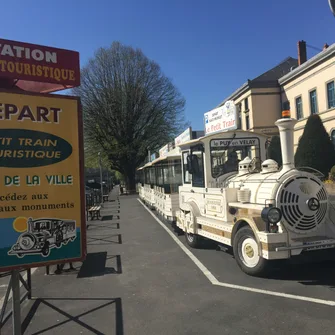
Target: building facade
[[310, 89], [304, 86], [258, 101]]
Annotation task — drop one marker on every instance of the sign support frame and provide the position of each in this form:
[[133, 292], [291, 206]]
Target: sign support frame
[[46, 87], [16, 302]]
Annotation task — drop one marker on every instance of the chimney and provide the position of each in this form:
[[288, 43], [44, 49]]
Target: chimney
[[286, 131], [325, 47], [302, 52]]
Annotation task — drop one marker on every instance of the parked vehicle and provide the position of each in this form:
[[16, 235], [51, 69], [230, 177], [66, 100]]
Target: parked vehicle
[[232, 194]]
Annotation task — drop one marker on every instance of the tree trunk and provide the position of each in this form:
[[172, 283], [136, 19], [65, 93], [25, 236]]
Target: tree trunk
[[130, 181]]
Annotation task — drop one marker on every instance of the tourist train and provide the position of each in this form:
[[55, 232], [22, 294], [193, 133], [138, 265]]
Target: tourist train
[[222, 187]]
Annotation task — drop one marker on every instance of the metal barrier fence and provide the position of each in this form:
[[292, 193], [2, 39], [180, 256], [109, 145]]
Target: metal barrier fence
[[91, 199], [26, 284]]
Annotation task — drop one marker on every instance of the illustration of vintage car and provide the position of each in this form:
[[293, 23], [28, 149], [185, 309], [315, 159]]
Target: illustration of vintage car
[[42, 235]]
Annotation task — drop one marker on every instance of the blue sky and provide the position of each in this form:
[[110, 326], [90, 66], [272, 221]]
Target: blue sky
[[208, 48]]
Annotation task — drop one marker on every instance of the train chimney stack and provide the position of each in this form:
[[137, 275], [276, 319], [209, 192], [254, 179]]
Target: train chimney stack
[[286, 130]]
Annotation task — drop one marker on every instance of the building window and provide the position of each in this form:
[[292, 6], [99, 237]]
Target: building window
[[239, 112], [332, 137], [247, 122], [331, 94], [246, 104], [313, 102], [298, 107]]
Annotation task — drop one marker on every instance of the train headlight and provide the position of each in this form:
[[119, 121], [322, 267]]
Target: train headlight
[[271, 215]]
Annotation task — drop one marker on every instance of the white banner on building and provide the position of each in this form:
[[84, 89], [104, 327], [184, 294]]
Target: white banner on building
[[222, 118], [184, 136], [164, 150]]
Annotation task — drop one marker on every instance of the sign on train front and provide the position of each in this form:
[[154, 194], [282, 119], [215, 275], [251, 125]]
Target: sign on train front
[[42, 218], [222, 118]]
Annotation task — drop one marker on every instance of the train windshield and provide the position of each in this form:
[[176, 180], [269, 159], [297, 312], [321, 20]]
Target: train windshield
[[227, 153], [37, 226]]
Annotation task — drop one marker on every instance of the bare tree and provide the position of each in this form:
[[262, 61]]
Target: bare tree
[[129, 107]]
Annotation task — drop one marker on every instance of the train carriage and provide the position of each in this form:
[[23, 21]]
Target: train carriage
[[149, 182], [168, 180]]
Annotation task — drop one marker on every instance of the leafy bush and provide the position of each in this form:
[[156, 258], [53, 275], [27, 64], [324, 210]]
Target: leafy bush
[[274, 150], [315, 148], [332, 173]]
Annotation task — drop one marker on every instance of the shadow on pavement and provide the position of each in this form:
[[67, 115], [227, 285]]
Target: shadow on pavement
[[110, 217], [95, 265], [308, 269], [104, 239], [320, 273], [75, 318], [107, 225]]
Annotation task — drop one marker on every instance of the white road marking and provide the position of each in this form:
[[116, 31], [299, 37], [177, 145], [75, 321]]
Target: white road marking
[[10, 294], [214, 281], [277, 294], [202, 267]]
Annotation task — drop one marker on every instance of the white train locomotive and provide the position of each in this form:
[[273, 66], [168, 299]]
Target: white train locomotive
[[262, 212], [232, 194]]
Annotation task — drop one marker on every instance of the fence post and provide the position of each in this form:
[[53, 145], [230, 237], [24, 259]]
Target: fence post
[[16, 303], [29, 283]]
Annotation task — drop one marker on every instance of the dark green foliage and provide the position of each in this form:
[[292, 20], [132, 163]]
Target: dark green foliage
[[274, 150], [315, 148], [332, 173]]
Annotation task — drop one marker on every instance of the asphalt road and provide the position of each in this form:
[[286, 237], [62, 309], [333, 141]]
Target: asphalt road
[[138, 279], [311, 277]]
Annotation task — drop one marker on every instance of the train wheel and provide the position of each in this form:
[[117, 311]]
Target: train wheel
[[46, 249], [246, 253], [193, 240], [59, 239]]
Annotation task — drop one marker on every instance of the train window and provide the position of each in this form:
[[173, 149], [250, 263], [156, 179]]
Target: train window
[[198, 173], [147, 176], [174, 175], [187, 175], [142, 179], [227, 153], [160, 176], [152, 176]]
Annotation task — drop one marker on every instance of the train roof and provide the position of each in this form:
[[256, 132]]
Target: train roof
[[173, 154], [144, 166]]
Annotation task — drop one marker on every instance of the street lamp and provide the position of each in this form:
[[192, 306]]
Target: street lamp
[[101, 186], [332, 6]]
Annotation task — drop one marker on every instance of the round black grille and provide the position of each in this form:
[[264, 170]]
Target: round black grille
[[304, 203]]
